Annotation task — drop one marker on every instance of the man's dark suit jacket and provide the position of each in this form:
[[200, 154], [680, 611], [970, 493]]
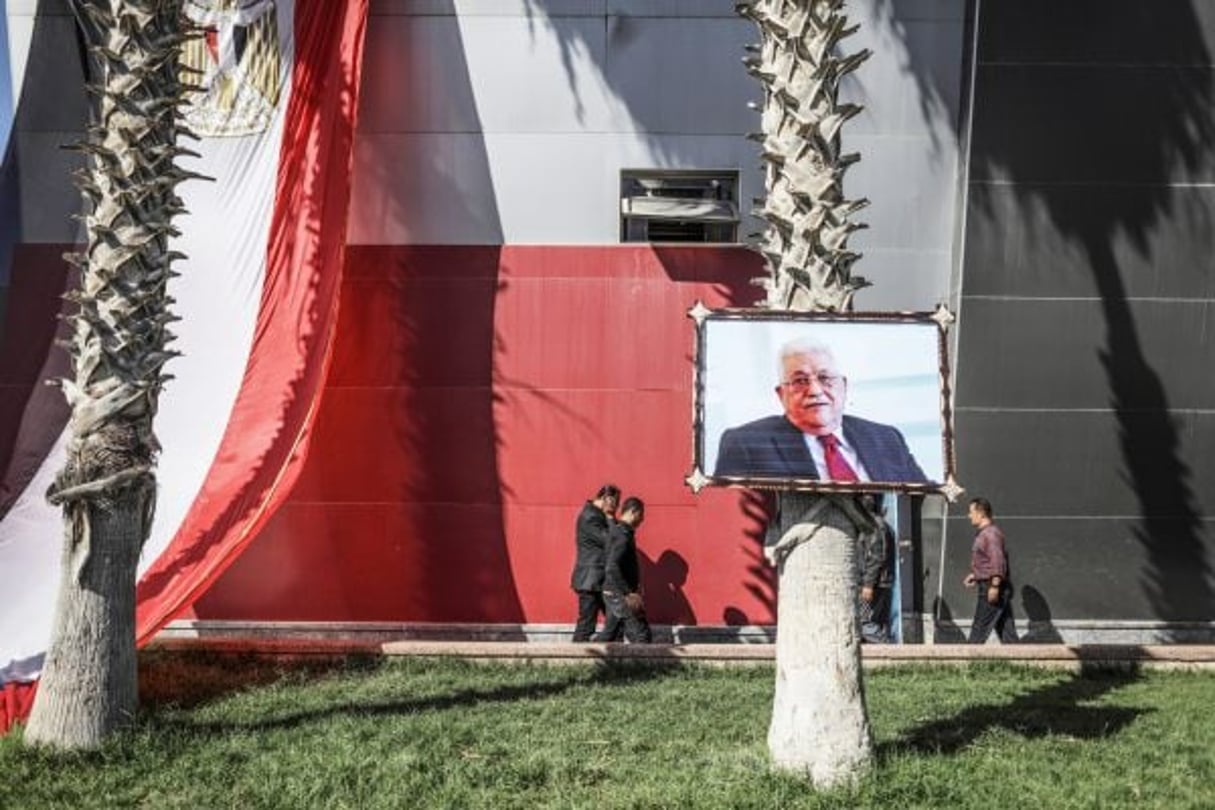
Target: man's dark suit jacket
[[773, 447], [590, 539], [622, 573]]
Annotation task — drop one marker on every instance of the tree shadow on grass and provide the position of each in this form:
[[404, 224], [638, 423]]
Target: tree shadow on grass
[[605, 674], [1059, 710]]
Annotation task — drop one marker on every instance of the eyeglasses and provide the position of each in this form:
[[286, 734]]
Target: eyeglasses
[[801, 383]]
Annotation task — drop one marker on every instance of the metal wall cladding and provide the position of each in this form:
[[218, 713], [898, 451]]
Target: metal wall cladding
[[32, 413], [1076, 569], [511, 122], [1085, 402], [479, 395]]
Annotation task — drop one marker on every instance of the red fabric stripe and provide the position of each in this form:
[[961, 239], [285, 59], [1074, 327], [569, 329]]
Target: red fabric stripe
[[16, 700], [263, 448]]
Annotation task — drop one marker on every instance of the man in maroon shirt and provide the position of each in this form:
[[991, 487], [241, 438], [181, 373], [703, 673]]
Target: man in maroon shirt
[[989, 574]]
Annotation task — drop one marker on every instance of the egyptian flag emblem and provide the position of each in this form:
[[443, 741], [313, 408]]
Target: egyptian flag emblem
[[236, 62]]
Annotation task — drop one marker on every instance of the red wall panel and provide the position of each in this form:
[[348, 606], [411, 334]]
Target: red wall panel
[[478, 396]]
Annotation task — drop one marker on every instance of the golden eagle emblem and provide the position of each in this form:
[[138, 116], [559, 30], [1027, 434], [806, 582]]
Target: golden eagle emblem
[[237, 64]]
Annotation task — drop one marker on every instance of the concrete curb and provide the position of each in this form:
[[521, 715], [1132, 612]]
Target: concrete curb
[[1045, 655]]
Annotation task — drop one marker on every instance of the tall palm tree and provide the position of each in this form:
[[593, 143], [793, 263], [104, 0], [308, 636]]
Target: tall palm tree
[[819, 723], [118, 350]]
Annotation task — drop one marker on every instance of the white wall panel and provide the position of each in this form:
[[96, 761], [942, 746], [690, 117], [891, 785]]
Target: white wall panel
[[490, 8], [568, 181], [899, 98], [681, 75], [903, 279], [487, 121], [910, 206], [415, 78], [423, 188], [673, 8], [540, 74]]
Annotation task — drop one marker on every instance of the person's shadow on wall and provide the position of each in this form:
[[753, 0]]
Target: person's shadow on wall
[[1040, 629], [945, 629], [663, 581]]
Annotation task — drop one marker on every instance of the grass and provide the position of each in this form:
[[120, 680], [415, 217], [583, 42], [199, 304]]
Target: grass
[[451, 734]]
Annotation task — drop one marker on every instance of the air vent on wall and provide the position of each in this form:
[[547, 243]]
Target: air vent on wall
[[678, 206]]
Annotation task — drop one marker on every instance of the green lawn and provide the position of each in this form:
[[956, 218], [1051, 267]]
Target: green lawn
[[452, 734]]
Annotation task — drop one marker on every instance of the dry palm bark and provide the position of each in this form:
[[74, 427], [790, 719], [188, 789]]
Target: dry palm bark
[[819, 723], [118, 349]]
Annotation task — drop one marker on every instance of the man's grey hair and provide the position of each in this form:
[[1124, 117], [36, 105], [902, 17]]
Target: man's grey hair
[[798, 347]]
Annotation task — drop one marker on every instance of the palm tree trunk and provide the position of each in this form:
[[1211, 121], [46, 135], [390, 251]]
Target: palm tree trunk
[[118, 350], [88, 686], [820, 726], [819, 723]]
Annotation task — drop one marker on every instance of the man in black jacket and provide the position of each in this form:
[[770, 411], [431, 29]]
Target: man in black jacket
[[878, 554], [622, 579], [590, 539]]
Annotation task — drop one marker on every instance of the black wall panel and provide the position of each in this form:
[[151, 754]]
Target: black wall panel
[[1085, 392], [1093, 568], [1028, 239], [1173, 32], [1082, 353], [1090, 463]]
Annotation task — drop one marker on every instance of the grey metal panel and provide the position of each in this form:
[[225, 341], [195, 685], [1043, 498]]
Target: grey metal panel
[[1030, 353], [685, 9], [1084, 407], [903, 11], [423, 189], [1015, 246], [654, 85], [1094, 124], [45, 190], [50, 113], [1173, 32], [677, 77], [912, 82], [488, 8], [46, 8], [1154, 463], [903, 278], [449, 198], [555, 8], [416, 78], [52, 96], [1091, 567], [911, 192], [539, 77]]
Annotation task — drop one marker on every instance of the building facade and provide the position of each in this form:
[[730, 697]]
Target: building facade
[[512, 330]]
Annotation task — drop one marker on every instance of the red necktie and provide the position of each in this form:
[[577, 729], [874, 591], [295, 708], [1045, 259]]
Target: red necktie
[[838, 468]]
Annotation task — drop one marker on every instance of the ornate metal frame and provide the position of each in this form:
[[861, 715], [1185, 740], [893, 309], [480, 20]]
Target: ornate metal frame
[[697, 479]]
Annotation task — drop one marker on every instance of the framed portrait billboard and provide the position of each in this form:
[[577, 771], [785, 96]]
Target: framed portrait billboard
[[830, 402]]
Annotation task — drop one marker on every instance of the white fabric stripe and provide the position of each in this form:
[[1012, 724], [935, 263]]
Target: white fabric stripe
[[218, 295], [31, 539]]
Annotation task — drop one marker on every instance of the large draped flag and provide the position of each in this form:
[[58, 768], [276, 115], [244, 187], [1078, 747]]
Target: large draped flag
[[257, 297]]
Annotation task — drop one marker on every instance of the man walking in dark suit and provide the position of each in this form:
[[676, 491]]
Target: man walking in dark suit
[[622, 579], [813, 438], [590, 540]]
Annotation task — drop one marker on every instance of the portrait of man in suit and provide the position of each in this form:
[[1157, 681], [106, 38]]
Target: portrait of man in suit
[[812, 437]]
